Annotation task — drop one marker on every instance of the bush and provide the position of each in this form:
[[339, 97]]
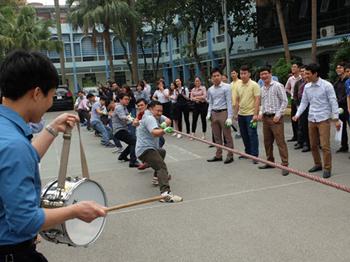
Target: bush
[[281, 69], [341, 55]]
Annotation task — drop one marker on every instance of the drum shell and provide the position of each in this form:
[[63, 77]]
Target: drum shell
[[51, 194]]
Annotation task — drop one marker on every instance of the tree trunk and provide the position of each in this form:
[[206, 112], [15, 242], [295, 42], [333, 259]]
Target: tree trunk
[[59, 34], [283, 30], [314, 30], [133, 44], [126, 56], [107, 40], [194, 47]]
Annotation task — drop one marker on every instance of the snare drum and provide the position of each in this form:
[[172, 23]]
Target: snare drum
[[74, 232]]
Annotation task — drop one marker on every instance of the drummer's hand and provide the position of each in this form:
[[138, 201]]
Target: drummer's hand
[[63, 121], [88, 211]]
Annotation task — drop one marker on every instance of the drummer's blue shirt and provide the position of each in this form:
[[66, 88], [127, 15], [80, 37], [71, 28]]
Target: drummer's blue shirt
[[20, 214]]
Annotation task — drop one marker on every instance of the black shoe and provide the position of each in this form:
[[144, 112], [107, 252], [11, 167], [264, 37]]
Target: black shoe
[[242, 157], [284, 172], [210, 146], [315, 169], [134, 165], [228, 160], [298, 147], [255, 162], [293, 139], [125, 158], [305, 149], [342, 150], [296, 144], [265, 167], [326, 174], [214, 159]]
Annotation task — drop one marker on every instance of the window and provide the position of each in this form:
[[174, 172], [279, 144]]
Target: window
[[221, 27], [67, 50], [324, 6], [303, 9], [77, 49]]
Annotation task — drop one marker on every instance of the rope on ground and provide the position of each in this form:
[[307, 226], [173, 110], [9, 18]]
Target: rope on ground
[[290, 170]]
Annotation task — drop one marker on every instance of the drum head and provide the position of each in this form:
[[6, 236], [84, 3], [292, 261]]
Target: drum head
[[80, 232]]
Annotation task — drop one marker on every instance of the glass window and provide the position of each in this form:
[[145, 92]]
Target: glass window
[[87, 47], [303, 8], [77, 49], [324, 6], [67, 50]]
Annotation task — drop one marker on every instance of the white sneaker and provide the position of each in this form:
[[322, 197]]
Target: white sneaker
[[203, 137], [174, 134], [118, 150], [170, 198], [193, 134], [179, 136]]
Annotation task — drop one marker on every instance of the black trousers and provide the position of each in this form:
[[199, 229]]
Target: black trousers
[[344, 117], [294, 124], [25, 251], [126, 137], [84, 115], [200, 109], [303, 129], [183, 110]]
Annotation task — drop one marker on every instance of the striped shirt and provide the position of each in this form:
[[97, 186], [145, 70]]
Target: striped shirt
[[273, 99], [200, 93]]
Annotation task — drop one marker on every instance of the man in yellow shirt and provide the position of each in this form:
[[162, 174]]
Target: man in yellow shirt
[[247, 105], [234, 84]]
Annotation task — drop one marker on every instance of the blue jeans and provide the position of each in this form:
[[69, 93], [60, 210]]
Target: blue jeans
[[249, 135], [99, 127]]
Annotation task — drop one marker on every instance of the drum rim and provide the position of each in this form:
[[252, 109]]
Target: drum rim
[[68, 195]]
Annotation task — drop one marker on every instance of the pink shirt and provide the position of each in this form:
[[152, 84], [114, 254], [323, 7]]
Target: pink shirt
[[83, 104], [200, 93]]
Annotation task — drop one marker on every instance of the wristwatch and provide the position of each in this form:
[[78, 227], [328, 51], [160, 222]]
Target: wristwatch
[[51, 130]]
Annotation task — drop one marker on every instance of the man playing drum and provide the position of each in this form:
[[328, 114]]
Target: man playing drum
[[27, 82]]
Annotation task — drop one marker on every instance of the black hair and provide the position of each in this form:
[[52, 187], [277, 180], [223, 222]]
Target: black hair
[[104, 98], [141, 100], [265, 68], [154, 103], [347, 66], [90, 95], [298, 64], [22, 71], [313, 68], [215, 70], [122, 95], [342, 64], [245, 68]]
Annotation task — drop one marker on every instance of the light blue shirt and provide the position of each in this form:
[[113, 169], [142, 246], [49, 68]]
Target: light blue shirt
[[322, 99], [347, 87], [94, 115], [219, 98], [145, 139], [20, 214], [120, 118]]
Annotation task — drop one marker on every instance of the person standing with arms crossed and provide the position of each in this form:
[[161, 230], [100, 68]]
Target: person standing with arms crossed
[[220, 114], [28, 82], [320, 95], [247, 108], [273, 104]]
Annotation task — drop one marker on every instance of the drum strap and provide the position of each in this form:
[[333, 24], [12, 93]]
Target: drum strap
[[65, 156]]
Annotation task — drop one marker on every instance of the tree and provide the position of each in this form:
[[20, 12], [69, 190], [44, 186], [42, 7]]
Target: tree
[[242, 20], [278, 5], [22, 29], [158, 18], [314, 30], [96, 16]]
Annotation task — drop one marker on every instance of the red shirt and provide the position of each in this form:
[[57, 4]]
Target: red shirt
[[140, 115]]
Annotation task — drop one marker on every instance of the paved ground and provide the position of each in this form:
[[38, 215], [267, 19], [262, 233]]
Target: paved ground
[[230, 212]]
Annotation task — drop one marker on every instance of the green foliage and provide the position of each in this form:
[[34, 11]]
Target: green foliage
[[20, 28], [341, 55], [281, 69]]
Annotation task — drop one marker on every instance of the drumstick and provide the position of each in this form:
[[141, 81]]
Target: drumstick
[[135, 203]]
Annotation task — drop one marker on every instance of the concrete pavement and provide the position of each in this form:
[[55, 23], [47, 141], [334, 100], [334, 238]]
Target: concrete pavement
[[230, 212]]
